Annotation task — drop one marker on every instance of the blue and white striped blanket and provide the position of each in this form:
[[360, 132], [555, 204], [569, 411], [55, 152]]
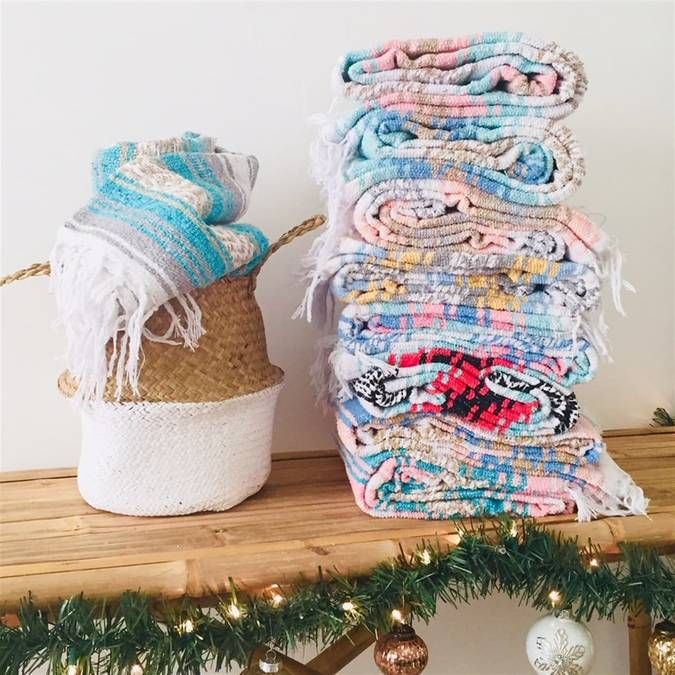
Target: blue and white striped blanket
[[160, 224]]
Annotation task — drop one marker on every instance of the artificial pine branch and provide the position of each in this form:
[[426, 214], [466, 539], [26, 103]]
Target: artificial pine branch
[[525, 562], [662, 418]]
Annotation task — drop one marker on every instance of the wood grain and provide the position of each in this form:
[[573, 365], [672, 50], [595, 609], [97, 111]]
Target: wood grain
[[54, 545]]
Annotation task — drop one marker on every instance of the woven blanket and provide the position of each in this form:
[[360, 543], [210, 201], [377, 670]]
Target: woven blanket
[[530, 161], [566, 363], [494, 393], [363, 326], [539, 333], [457, 217], [431, 468], [365, 274], [485, 74], [157, 227], [380, 154]]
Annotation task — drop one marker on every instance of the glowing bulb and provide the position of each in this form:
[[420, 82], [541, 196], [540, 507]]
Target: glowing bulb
[[72, 669], [594, 562], [425, 557], [275, 596], [187, 626], [348, 606], [397, 615], [554, 597], [136, 669], [234, 612], [514, 530]]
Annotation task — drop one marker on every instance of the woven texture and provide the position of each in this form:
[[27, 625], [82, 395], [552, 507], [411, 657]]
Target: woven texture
[[484, 74], [158, 226], [520, 160], [160, 459], [470, 297], [432, 468], [231, 359]]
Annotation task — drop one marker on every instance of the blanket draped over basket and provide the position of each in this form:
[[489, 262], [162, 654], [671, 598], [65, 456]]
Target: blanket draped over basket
[[196, 435], [469, 295], [167, 355], [159, 226]]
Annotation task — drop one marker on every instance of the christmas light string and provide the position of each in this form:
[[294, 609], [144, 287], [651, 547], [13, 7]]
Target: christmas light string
[[524, 561]]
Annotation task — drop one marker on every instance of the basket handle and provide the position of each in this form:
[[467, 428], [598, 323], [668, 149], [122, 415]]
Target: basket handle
[[43, 269], [34, 270]]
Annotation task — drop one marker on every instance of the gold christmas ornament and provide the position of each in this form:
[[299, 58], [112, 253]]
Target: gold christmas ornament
[[269, 663], [662, 648], [401, 652]]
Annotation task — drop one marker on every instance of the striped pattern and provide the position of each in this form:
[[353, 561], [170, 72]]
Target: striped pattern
[[432, 469], [477, 75], [533, 162], [469, 293], [158, 226]]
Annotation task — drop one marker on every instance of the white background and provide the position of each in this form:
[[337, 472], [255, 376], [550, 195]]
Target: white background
[[78, 76]]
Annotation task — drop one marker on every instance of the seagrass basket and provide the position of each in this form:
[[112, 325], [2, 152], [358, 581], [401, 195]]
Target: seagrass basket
[[197, 436]]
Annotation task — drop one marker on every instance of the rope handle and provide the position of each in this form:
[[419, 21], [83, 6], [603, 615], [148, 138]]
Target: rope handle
[[43, 269], [35, 270]]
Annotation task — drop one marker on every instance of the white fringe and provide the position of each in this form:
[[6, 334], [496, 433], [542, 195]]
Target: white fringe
[[321, 373], [612, 269], [611, 262], [594, 328], [620, 495], [103, 299], [328, 158]]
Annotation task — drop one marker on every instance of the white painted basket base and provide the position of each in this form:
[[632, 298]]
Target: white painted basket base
[[164, 459]]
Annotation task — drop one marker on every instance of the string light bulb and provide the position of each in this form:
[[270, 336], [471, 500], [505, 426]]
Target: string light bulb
[[275, 596], [186, 626], [397, 616], [234, 611], [554, 597], [594, 563], [425, 557], [514, 530], [348, 606], [136, 669], [72, 669]]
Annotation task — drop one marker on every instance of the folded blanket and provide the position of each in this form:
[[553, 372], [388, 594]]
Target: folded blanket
[[485, 74], [364, 274], [528, 161], [457, 217], [433, 469], [526, 331], [571, 365], [525, 162], [494, 393], [156, 228]]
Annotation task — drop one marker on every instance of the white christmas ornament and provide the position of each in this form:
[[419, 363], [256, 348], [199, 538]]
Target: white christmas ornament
[[558, 645]]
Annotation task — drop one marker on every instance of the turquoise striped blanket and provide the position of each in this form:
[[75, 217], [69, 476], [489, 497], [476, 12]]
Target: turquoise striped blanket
[[159, 225], [528, 161]]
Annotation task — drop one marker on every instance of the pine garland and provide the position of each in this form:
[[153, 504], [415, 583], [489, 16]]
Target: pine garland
[[662, 418], [523, 560]]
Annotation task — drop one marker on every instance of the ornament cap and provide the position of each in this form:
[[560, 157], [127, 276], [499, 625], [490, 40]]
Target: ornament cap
[[666, 626], [270, 662], [403, 631]]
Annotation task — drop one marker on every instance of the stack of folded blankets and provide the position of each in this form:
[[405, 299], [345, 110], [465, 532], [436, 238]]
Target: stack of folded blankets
[[469, 294]]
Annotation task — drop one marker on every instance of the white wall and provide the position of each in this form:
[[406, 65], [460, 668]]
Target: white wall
[[78, 76]]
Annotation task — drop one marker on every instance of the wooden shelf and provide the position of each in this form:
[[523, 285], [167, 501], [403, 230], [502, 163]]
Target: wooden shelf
[[54, 545]]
